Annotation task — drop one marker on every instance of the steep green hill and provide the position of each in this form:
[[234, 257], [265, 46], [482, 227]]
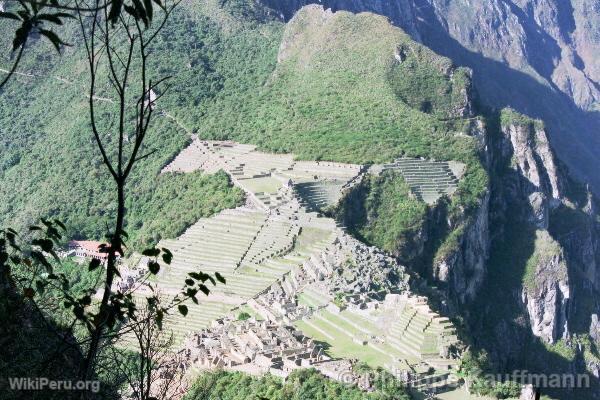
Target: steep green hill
[[49, 165], [342, 87], [340, 92]]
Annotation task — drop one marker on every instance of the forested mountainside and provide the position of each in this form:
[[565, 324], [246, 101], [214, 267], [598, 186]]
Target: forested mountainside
[[513, 255], [518, 50], [284, 101]]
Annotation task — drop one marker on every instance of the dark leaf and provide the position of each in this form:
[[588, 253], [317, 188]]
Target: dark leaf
[[59, 223], [21, 35], [189, 282], [42, 260], [8, 15], [154, 267], [204, 289], [183, 310], [53, 37], [132, 11], [151, 252], [159, 318], [160, 4], [149, 11], [211, 279], [25, 15], [28, 293], [45, 244], [78, 311], [220, 278], [167, 256], [139, 7], [11, 238], [50, 18], [151, 302], [94, 263], [64, 15], [115, 11]]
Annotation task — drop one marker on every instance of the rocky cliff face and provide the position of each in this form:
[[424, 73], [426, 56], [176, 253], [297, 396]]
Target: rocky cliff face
[[531, 175], [463, 269], [553, 40], [561, 268], [528, 187], [546, 296]]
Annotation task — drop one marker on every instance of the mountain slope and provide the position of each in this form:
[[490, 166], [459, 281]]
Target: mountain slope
[[534, 56], [351, 88]]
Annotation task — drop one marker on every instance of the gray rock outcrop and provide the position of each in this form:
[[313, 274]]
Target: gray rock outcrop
[[547, 296], [527, 393], [464, 269], [363, 269], [535, 176]]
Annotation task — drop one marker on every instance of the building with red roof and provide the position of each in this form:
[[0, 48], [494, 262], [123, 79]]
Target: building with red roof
[[88, 249]]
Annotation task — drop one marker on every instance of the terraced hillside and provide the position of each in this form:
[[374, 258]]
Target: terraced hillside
[[250, 248], [253, 246], [277, 241], [428, 180]]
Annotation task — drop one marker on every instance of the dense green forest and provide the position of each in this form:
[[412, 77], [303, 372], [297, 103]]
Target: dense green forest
[[342, 99], [381, 212], [50, 166], [302, 384]]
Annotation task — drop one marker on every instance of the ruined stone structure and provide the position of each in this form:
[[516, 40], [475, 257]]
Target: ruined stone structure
[[261, 345], [298, 274]]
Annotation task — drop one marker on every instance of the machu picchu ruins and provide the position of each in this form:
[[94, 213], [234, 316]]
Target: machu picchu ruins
[[297, 277]]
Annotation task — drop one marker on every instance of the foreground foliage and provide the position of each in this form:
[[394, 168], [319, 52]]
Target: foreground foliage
[[303, 384]]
